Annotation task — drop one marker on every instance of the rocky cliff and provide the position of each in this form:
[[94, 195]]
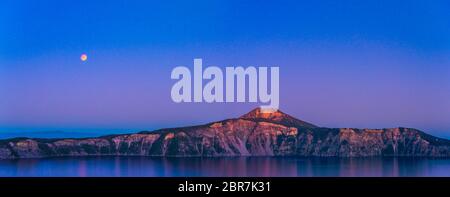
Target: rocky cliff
[[254, 134]]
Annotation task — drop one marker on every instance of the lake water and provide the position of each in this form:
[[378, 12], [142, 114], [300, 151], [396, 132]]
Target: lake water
[[225, 166]]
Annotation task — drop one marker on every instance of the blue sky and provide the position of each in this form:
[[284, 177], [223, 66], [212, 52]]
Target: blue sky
[[34, 28], [342, 63]]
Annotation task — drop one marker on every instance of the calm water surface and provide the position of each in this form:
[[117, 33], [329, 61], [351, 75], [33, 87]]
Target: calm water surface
[[228, 166]]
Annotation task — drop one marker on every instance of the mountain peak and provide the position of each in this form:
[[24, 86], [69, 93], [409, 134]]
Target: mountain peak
[[275, 116], [262, 113]]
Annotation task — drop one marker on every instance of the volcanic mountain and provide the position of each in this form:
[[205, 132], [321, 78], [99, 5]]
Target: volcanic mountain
[[254, 134]]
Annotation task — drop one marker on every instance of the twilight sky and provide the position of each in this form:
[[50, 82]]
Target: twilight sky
[[367, 64]]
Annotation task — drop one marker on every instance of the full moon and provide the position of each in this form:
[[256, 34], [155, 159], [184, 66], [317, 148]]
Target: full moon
[[83, 57]]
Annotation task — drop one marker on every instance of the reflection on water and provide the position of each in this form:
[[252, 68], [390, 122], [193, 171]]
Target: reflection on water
[[225, 166]]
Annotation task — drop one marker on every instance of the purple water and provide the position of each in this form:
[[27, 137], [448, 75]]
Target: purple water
[[224, 166]]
